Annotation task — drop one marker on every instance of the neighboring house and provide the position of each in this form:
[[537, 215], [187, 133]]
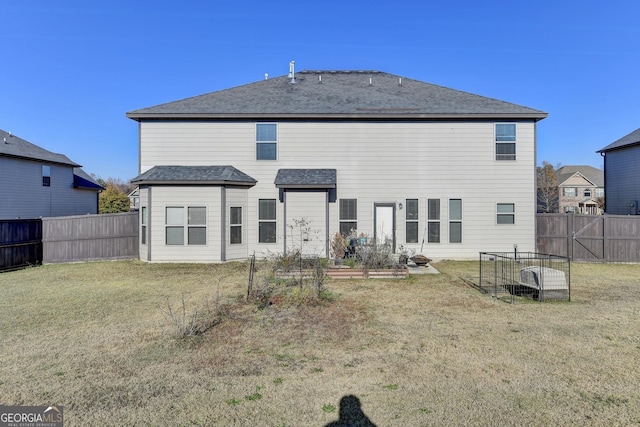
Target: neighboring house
[[134, 200], [622, 175], [580, 189], [290, 161], [36, 183]]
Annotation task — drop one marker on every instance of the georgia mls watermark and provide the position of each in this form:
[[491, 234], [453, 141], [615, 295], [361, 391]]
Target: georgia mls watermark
[[31, 416]]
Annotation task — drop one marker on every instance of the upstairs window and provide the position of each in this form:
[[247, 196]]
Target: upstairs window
[[599, 192], [587, 192], [266, 141], [505, 141], [46, 176], [569, 192], [411, 220]]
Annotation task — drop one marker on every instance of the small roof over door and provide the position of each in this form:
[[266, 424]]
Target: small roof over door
[[306, 178]]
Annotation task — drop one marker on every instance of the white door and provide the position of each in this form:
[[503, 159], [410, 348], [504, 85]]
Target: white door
[[385, 225]]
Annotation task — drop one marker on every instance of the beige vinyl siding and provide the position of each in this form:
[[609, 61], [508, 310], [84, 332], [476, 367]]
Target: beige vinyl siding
[[375, 162], [163, 197], [310, 207]]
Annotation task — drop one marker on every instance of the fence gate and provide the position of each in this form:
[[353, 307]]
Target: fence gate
[[588, 238], [591, 238]]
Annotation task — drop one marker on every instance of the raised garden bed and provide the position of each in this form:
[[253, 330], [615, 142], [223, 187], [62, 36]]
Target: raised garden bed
[[351, 273]]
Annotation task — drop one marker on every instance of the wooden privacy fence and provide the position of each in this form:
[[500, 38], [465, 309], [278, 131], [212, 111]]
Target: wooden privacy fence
[[90, 237], [592, 238], [20, 243]]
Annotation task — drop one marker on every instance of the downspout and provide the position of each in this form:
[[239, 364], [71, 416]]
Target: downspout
[[223, 223]]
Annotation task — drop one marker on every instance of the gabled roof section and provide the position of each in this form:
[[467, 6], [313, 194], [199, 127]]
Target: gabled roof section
[[632, 139], [81, 179], [13, 146], [195, 175], [306, 178], [591, 174], [338, 95]]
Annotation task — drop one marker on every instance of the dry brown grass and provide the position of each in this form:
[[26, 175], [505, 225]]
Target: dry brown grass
[[429, 350]]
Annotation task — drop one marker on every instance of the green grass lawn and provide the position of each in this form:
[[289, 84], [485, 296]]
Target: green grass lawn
[[428, 350]]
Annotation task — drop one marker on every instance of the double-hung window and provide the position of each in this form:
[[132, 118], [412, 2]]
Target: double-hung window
[[143, 225], [235, 225], [506, 213], [455, 220], [505, 141], [267, 221], [569, 191], [190, 228], [348, 216], [411, 220], [433, 220], [587, 192], [266, 141]]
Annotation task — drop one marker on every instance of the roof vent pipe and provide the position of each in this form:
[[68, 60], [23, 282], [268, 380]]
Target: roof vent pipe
[[266, 76], [370, 81], [320, 79], [292, 72], [399, 81]]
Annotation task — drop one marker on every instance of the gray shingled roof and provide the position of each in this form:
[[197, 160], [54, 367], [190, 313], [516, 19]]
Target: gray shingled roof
[[13, 146], [596, 176], [217, 175], [306, 178], [631, 139], [338, 94]]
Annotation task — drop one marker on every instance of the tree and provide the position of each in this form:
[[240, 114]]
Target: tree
[[113, 200], [548, 193]]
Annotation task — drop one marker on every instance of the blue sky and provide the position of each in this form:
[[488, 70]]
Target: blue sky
[[71, 69]]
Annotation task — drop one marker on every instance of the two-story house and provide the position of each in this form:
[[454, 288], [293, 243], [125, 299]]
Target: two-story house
[[580, 189], [290, 161], [35, 182], [622, 175]]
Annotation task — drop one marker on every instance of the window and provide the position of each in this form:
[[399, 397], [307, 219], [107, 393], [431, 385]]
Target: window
[[455, 220], [505, 141], [348, 216], [46, 176], [599, 192], [506, 213], [143, 228], [196, 230], [236, 225], [411, 220], [433, 220], [197, 225], [266, 141], [267, 221], [587, 192], [569, 191]]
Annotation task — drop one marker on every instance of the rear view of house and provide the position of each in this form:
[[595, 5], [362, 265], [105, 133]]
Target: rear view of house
[[290, 161], [38, 183], [622, 175]]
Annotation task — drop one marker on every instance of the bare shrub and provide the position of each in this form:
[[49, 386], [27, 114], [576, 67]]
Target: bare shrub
[[188, 322]]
